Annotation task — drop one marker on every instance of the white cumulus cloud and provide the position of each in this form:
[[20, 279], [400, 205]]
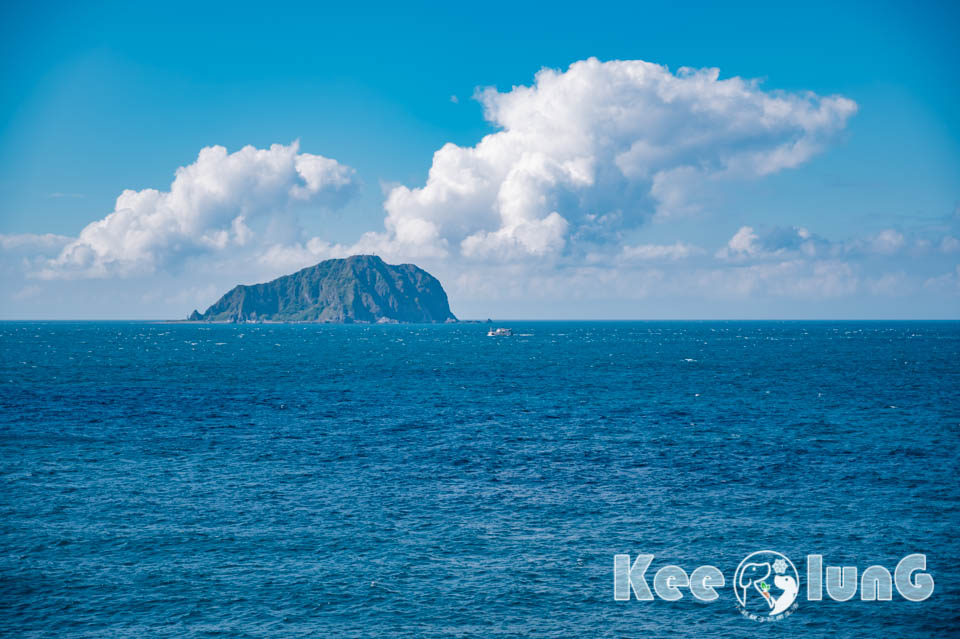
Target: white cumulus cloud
[[602, 146], [206, 210], [775, 242]]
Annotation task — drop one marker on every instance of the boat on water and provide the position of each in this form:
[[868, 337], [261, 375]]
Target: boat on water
[[499, 332]]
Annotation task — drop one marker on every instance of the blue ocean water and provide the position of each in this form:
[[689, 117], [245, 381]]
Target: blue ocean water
[[298, 480]]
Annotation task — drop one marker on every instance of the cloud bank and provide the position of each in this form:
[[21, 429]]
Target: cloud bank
[[548, 207], [580, 157]]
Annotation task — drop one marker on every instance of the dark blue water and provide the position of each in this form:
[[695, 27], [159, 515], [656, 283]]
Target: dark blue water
[[246, 481]]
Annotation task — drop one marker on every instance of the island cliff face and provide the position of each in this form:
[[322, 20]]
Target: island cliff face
[[361, 288]]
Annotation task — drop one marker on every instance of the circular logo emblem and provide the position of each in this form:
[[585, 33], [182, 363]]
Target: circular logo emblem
[[766, 585]]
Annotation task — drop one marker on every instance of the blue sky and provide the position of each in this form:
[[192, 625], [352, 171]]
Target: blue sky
[[100, 98]]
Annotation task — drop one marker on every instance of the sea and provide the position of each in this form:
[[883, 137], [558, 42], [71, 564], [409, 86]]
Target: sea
[[258, 480]]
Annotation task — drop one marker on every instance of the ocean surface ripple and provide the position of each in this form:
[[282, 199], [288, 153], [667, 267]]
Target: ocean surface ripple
[[295, 480]]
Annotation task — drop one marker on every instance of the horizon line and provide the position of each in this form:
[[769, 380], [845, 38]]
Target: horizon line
[[486, 320]]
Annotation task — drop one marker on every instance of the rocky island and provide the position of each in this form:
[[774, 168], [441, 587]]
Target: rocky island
[[360, 288]]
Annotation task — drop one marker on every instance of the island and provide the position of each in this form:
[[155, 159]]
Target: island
[[356, 289]]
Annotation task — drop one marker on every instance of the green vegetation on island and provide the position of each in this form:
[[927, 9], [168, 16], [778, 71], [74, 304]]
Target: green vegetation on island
[[360, 288]]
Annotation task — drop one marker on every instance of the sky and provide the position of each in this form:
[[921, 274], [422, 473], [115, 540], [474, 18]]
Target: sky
[[611, 161]]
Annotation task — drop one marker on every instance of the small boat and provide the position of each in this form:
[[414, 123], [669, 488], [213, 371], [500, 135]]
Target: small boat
[[499, 332]]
